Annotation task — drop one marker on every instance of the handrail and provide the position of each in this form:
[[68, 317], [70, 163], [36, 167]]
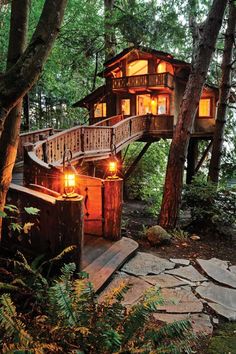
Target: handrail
[[95, 141]]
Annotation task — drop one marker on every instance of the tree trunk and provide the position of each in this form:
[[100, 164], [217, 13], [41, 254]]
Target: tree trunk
[[19, 79], [225, 86], [179, 146], [109, 34], [10, 134]]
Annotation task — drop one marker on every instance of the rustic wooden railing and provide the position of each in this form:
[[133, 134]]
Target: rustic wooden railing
[[147, 80]]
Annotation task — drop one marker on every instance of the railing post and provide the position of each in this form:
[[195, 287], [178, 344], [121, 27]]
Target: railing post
[[112, 208], [70, 221], [28, 171], [112, 138], [82, 139], [130, 127], [44, 147]]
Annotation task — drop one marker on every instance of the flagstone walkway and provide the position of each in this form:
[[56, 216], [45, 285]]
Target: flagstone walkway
[[199, 292]]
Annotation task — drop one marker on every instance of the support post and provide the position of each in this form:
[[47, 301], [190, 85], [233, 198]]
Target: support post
[[112, 208], [191, 159], [136, 160], [70, 221], [203, 156]]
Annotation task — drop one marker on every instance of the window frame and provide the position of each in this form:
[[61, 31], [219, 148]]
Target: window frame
[[210, 98], [104, 104]]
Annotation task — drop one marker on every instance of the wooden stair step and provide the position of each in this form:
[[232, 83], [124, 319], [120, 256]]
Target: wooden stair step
[[101, 269]]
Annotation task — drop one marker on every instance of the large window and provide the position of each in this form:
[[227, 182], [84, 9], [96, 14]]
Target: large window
[[152, 104], [125, 106], [164, 67], [138, 67], [205, 107], [100, 110]]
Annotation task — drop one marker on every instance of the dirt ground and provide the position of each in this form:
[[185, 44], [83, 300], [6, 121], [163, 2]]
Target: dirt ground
[[136, 219]]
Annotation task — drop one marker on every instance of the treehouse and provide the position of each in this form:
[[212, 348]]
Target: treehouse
[[142, 81]]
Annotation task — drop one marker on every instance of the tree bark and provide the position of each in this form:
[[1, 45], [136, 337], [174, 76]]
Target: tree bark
[[19, 79], [225, 86], [109, 34], [179, 146]]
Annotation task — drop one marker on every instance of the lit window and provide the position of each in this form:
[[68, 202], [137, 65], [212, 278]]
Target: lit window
[[164, 67], [138, 67], [205, 107], [100, 110], [162, 104], [125, 107]]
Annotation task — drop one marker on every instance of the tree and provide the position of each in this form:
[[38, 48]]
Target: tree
[[109, 34], [208, 33], [18, 80], [225, 87]]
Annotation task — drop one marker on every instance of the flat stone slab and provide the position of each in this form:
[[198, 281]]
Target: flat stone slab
[[180, 300], [134, 294], [233, 269], [180, 261], [220, 263], [188, 272], [201, 323], [164, 280], [219, 294], [223, 311], [216, 272], [145, 263]]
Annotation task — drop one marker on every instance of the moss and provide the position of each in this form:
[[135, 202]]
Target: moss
[[224, 341]]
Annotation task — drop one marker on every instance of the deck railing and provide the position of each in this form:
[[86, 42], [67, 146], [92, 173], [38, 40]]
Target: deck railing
[[147, 80]]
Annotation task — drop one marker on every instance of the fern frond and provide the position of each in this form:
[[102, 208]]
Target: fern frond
[[117, 293], [61, 255], [8, 287], [177, 329], [10, 322], [22, 258], [62, 300]]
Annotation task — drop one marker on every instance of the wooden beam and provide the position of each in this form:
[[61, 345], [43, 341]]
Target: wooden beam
[[191, 159], [203, 156], [136, 160]]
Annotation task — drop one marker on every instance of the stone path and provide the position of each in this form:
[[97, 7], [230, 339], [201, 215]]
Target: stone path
[[200, 295]]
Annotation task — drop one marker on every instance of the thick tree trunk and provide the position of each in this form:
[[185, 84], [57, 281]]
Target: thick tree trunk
[[109, 34], [179, 146], [10, 134], [225, 86], [19, 79]]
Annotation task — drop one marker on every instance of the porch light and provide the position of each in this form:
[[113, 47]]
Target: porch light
[[69, 176], [112, 167]]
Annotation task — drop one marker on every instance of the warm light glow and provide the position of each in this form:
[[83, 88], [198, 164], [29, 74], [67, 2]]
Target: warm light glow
[[100, 110], [164, 67], [138, 67], [69, 180], [125, 106], [205, 107], [112, 167]]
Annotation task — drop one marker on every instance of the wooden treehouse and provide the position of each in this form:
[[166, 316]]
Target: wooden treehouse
[[139, 102]]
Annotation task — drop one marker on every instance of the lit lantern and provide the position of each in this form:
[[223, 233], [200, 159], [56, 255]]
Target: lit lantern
[[112, 167], [70, 174]]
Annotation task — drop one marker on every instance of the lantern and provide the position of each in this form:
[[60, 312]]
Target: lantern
[[69, 177], [112, 167]]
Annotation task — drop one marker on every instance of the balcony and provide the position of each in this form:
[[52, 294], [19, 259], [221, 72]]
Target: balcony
[[151, 81]]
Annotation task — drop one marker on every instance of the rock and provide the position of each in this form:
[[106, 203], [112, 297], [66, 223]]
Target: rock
[[133, 295], [220, 263], [201, 323], [233, 269], [223, 311], [180, 261], [180, 300], [217, 272], [219, 294], [156, 235], [164, 280], [188, 272], [146, 263], [195, 237]]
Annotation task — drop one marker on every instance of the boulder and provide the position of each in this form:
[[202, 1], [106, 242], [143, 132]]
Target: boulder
[[156, 235]]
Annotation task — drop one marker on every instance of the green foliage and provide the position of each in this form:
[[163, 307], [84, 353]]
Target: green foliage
[[146, 183], [69, 319], [212, 209], [180, 234]]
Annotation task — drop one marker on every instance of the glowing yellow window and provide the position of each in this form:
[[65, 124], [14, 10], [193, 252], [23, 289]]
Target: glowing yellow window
[[205, 107], [138, 67], [125, 107], [161, 67], [162, 104], [100, 110]]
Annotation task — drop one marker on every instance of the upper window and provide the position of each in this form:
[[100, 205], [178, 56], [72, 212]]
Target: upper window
[[164, 67], [205, 107], [100, 110], [125, 106], [138, 67]]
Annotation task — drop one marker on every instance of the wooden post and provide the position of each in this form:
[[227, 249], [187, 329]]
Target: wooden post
[[191, 159], [70, 221], [27, 171], [112, 208]]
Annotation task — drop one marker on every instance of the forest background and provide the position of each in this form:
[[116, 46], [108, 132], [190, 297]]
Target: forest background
[[79, 53]]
